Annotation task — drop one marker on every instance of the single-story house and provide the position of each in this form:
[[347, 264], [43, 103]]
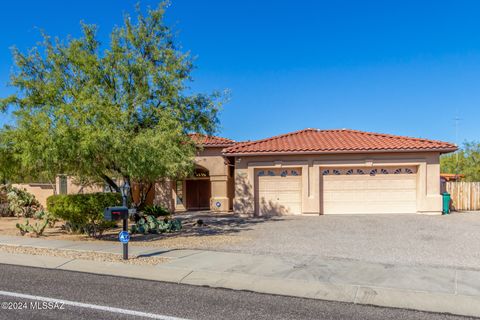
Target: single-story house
[[313, 171], [309, 171]]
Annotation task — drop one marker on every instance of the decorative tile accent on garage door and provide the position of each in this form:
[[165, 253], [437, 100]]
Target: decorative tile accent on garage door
[[278, 191]]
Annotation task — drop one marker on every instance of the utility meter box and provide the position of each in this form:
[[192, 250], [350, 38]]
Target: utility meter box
[[115, 213]]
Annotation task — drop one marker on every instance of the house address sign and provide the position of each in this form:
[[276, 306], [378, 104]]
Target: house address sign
[[201, 174]]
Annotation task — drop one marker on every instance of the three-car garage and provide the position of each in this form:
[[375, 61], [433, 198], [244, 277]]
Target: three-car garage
[[338, 172]]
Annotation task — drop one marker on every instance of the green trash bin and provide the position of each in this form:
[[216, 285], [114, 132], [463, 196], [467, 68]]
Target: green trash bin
[[446, 203]]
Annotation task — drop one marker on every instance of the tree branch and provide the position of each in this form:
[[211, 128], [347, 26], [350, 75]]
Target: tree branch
[[110, 182]]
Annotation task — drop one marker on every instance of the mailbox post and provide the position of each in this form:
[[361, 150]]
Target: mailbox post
[[125, 191], [121, 213], [116, 214]]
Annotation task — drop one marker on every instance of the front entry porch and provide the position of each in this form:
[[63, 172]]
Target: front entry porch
[[198, 194]]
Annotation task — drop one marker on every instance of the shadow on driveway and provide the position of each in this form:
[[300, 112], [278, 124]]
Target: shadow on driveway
[[213, 224]]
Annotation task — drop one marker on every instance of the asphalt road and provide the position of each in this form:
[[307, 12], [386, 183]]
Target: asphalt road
[[100, 294]]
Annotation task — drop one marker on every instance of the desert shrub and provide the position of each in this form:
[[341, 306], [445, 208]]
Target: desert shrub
[[34, 229], [151, 224], [83, 213], [19, 202], [156, 211], [4, 209], [45, 215]]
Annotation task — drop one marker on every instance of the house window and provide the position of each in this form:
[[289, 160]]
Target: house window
[[397, 171], [360, 171], [63, 185], [326, 172], [349, 172], [179, 192], [284, 173], [384, 171], [408, 170], [294, 173], [373, 172], [261, 173], [336, 172], [271, 173]]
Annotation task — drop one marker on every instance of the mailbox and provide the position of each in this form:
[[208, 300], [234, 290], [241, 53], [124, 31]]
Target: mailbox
[[115, 213]]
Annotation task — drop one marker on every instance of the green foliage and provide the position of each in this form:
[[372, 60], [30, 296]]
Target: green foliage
[[41, 214], [4, 208], [19, 202], [151, 224], [9, 166], [156, 211], [45, 215], [83, 213], [37, 229], [466, 161], [123, 111], [24, 228]]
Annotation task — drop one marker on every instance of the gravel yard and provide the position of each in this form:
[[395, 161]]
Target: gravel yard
[[452, 240], [81, 255]]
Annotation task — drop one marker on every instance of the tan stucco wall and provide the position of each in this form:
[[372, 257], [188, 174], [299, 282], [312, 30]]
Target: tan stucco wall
[[74, 188], [428, 176], [40, 191]]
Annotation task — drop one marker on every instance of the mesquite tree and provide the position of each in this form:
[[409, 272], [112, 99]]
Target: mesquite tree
[[100, 112]]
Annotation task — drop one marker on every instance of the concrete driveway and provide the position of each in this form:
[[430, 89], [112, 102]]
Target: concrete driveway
[[452, 240]]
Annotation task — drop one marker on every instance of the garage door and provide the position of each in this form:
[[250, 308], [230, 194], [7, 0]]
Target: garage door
[[372, 190], [278, 192]]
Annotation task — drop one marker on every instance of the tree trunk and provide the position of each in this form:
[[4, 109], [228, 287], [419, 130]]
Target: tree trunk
[[111, 183], [143, 193]]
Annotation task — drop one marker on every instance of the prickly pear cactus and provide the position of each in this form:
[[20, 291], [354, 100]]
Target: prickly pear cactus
[[150, 224]]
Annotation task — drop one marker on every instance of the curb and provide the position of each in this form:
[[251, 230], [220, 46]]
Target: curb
[[366, 295]]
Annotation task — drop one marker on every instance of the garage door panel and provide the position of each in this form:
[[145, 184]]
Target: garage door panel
[[279, 192], [364, 207], [385, 191], [365, 195]]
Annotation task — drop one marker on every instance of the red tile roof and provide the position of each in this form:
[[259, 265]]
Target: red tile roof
[[211, 141], [333, 141]]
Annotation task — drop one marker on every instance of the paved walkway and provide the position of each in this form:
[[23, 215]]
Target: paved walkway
[[450, 290]]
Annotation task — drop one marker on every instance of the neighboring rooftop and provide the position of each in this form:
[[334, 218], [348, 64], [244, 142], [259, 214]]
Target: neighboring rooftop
[[452, 176], [333, 141], [211, 141]]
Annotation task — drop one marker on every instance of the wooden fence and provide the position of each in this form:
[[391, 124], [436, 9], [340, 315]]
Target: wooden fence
[[465, 195]]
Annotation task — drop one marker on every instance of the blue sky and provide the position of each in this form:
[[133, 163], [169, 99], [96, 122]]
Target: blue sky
[[400, 67]]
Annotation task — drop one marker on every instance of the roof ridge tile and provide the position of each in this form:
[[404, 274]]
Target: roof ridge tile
[[338, 140]]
